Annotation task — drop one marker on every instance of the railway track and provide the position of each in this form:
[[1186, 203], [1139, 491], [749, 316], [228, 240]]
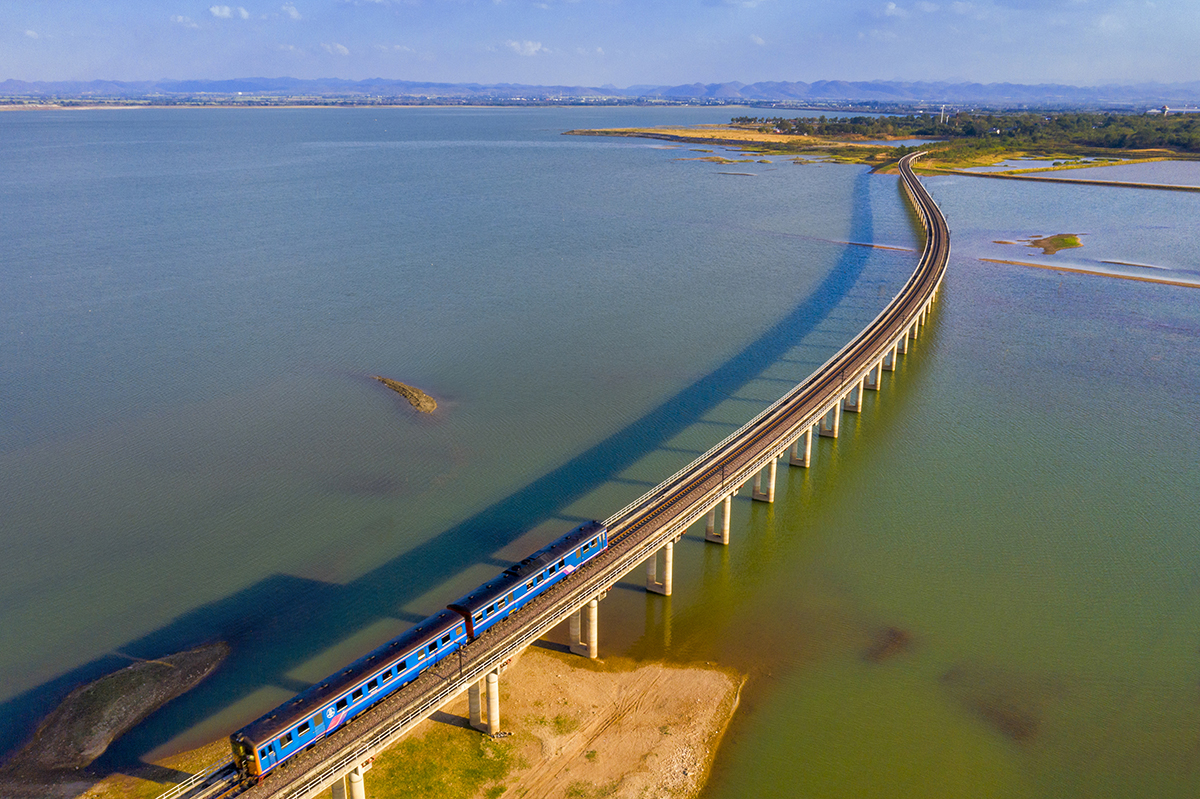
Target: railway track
[[636, 532]]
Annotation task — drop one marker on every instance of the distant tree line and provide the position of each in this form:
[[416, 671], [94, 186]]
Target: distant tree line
[[1115, 131]]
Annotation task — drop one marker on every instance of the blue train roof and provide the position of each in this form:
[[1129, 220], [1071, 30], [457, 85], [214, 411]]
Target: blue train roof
[[315, 697], [518, 573]]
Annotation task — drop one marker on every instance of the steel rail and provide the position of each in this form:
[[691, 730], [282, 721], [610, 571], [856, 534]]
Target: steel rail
[[639, 529]]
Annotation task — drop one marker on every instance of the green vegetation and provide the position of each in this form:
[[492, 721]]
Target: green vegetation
[[447, 762], [1004, 131], [1052, 244], [565, 724], [583, 790]]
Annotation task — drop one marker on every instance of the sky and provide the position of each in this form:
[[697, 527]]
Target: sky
[[605, 42]]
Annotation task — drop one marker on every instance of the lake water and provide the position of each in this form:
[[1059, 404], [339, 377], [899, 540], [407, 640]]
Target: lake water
[[1174, 173], [190, 446]]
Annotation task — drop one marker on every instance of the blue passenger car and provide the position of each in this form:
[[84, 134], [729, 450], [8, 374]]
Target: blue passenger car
[[518, 584], [320, 709]]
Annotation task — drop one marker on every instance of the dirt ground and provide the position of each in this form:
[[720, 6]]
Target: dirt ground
[[611, 729], [570, 728]]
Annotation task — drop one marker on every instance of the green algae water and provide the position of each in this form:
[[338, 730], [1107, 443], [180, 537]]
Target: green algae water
[[192, 449], [985, 587]]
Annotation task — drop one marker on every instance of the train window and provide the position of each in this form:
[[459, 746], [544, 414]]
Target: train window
[[387, 675], [432, 646], [500, 605], [285, 740], [420, 654], [343, 703], [357, 695], [562, 562], [552, 569], [262, 753], [529, 585], [303, 728], [541, 577], [445, 640], [478, 616], [372, 685]]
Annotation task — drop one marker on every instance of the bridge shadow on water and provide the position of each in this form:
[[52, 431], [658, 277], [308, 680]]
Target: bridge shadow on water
[[283, 621]]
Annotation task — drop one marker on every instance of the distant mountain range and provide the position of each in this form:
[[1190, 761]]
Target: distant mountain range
[[823, 93]]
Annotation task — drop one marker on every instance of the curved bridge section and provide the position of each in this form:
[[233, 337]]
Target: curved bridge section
[[652, 523]]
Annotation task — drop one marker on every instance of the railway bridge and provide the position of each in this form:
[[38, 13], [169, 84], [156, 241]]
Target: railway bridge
[[643, 532]]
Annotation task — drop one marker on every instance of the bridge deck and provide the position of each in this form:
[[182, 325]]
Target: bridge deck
[[640, 529]]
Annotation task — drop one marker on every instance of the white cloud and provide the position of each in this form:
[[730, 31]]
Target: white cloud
[[32, 34], [760, 41], [226, 12], [927, 7], [526, 48], [186, 22], [290, 10], [336, 49], [893, 10]]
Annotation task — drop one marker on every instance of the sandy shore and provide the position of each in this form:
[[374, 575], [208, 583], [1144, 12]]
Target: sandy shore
[[571, 727], [1094, 272]]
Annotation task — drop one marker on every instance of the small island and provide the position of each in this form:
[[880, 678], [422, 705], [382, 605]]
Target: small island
[[416, 397]]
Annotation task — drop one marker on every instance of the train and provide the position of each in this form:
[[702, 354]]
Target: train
[[316, 712]]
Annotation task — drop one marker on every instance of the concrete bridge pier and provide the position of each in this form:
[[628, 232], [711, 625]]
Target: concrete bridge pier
[[710, 531], [350, 786], [487, 689], [769, 494], [358, 790], [795, 458], [889, 359], [585, 630], [902, 344], [653, 584], [854, 397], [831, 421], [873, 377]]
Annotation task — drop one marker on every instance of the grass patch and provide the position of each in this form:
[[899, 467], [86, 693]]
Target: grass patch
[[564, 724], [1059, 241], [446, 762], [585, 790]]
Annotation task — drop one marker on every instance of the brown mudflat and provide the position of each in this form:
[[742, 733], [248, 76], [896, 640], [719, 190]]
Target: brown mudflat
[[416, 397]]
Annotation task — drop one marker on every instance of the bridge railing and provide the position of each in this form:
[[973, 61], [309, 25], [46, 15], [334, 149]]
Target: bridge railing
[[832, 364]]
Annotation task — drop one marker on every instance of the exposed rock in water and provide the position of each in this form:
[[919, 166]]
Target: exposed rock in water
[[94, 715], [418, 398], [887, 643], [1011, 703]]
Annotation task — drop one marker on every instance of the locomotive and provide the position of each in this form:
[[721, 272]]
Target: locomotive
[[322, 708]]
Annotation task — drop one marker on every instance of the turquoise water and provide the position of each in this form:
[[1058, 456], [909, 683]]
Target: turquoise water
[[191, 448], [190, 444], [1177, 173], [1020, 502]]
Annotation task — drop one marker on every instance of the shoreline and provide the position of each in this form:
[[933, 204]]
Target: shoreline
[[570, 726], [1095, 273]]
